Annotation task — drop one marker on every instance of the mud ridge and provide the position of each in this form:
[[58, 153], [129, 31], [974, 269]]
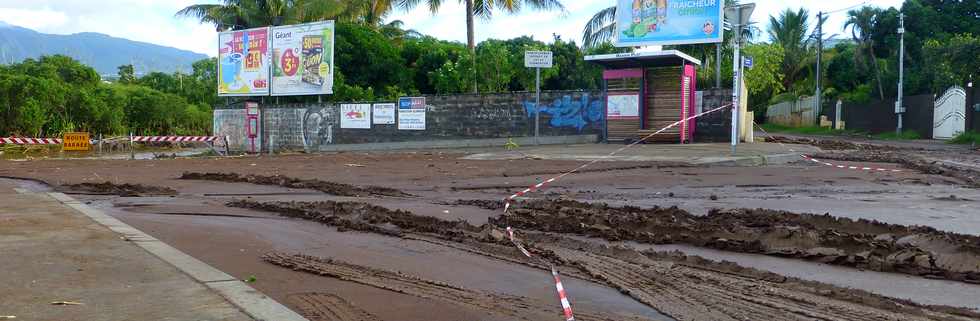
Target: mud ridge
[[125, 190], [862, 244], [970, 177], [833, 144], [495, 303], [365, 217], [331, 188]]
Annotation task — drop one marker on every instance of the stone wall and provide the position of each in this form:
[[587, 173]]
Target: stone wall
[[474, 116]]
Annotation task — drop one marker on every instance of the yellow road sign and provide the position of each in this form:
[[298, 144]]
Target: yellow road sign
[[76, 142]]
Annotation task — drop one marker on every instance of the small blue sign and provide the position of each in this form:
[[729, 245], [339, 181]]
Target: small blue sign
[[747, 62]]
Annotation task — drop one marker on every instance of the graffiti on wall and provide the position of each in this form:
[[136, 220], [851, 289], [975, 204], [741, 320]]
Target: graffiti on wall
[[567, 112], [319, 125]]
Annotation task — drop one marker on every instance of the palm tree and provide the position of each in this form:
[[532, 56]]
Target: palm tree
[[790, 30], [600, 28], [862, 23], [244, 14]]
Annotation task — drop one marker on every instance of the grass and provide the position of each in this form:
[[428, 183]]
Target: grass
[[906, 135], [809, 130], [970, 137]]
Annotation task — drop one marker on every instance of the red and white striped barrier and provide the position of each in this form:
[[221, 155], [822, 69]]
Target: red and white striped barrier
[[538, 186], [566, 307], [810, 158], [30, 141], [565, 304], [876, 169], [174, 138]]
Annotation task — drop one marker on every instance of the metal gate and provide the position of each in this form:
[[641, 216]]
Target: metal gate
[[949, 115]]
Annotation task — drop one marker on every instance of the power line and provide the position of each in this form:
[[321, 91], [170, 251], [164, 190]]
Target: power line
[[863, 3]]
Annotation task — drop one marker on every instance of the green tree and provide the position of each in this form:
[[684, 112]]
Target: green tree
[[862, 22], [244, 14], [127, 74], [790, 31]]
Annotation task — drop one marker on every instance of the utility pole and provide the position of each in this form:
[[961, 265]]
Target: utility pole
[[718, 65], [899, 108], [818, 95]]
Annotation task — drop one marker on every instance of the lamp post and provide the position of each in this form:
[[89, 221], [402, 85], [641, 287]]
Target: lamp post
[[738, 16], [899, 109]]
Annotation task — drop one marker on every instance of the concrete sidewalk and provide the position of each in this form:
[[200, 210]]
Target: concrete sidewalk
[[749, 154], [50, 252]]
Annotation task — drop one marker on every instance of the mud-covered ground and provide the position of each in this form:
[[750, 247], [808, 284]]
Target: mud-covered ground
[[420, 235]]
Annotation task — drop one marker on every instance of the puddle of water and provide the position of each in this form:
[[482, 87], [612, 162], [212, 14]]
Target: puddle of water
[[29, 185]]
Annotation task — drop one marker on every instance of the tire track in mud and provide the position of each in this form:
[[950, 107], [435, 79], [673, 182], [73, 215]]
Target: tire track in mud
[[505, 305], [687, 293], [684, 287], [332, 188], [317, 306]]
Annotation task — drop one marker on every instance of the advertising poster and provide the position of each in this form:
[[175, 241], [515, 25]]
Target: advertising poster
[[411, 113], [355, 116], [668, 22], [623, 106], [302, 57], [384, 114], [243, 62]]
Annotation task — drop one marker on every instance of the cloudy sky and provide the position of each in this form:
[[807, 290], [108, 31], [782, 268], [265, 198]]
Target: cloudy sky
[[153, 20]]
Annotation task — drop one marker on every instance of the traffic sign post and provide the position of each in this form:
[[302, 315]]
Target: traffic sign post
[[538, 60]]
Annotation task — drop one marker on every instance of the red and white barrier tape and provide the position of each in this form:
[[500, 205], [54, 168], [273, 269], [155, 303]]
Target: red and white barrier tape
[[863, 168], [537, 186], [566, 306], [810, 158], [30, 141], [174, 138]]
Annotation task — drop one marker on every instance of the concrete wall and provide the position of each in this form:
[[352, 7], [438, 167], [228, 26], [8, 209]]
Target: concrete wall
[[798, 113], [316, 127]]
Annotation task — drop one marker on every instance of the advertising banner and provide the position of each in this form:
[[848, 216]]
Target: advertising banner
[[668, 22], [243, 62], [623, 106], [411, 113], [355, 116], [384, 114], [302, 59]]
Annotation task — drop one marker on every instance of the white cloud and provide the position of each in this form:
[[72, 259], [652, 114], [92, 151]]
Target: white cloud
[[150, 21], [37, 19]]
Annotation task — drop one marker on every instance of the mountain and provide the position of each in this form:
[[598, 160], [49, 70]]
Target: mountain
[[102, 52]]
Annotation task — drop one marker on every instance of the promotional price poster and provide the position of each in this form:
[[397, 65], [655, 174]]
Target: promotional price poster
[[302, 57], [243, 62], [668, 22]]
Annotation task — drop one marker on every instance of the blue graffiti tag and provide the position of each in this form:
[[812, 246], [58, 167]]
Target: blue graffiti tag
[[566, 112]]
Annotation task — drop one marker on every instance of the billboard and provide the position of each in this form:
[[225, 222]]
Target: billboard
[[384, 114], [243, 62], [302, 59], [355, 116], [668, 22], [411, 113]]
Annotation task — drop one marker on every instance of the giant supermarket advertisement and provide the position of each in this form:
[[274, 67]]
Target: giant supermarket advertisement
[[668, 22], [243, 62], [302, 58]]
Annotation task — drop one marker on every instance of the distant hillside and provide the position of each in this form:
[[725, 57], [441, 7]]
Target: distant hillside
[[102, 52]]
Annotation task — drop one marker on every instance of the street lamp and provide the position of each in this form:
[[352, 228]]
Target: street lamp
[[738, 16], [899, 109]]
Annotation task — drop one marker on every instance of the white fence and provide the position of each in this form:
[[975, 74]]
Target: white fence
[[800, 113]]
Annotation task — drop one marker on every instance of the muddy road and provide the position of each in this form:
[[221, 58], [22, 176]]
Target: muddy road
[[417, 235]]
